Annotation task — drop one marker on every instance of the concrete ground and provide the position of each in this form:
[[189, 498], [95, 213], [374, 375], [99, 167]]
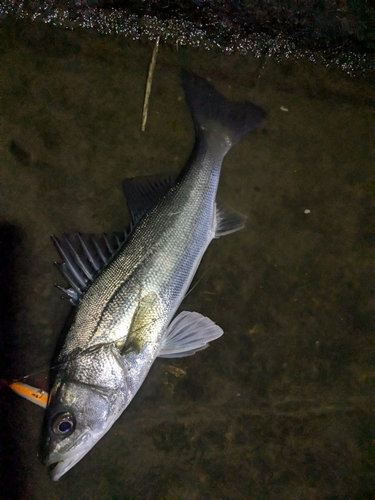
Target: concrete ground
[[282, 406]]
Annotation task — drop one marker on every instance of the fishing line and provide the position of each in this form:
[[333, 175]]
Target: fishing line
[[97, 347], [81, 353], [198, 281]]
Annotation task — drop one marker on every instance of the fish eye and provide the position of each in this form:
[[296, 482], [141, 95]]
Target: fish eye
[[63, 424]]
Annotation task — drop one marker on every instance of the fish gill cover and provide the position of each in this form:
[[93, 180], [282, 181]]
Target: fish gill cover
[[337, 32]]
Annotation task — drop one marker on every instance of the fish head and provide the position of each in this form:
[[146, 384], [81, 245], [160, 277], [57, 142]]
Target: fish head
[[84, 403]]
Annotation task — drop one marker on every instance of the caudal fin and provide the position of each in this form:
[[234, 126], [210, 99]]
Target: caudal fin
[[211, 111]]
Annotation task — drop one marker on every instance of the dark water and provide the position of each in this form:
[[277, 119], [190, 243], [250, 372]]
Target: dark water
[[282, 406]]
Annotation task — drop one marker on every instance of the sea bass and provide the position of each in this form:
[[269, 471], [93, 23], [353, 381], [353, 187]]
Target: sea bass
[[126, 298]]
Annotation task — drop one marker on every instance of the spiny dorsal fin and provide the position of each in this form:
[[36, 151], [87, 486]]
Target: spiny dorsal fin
[[143, 193], [84, 256]]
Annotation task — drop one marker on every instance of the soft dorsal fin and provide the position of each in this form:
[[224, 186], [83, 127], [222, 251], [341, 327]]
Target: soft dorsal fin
[[143, 193], [84, 256]]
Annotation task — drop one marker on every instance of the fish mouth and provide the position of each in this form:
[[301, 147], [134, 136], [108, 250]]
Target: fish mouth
[[59, 467], [60, 463]]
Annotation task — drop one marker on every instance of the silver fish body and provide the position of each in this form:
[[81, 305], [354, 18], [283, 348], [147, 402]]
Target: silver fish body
[[124, 320]]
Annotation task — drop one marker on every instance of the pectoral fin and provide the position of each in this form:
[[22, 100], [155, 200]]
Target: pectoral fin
[[188, 333], [144, 320]]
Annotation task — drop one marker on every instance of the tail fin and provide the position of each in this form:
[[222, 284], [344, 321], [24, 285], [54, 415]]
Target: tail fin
[[212, 111]]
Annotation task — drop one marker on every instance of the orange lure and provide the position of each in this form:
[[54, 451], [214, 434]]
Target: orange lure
[[36, 396]]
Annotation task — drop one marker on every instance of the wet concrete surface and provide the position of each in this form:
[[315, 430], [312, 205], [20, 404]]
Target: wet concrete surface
[[282, 406]]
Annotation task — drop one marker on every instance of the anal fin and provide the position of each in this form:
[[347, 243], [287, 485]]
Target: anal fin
[[227, 221]]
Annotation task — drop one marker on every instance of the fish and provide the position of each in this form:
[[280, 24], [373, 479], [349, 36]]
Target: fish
[[127, 287]]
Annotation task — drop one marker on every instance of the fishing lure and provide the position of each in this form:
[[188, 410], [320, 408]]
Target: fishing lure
[[36, 396]]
